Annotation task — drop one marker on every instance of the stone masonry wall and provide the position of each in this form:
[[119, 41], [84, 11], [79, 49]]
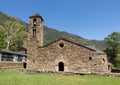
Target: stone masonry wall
[[11, 65]]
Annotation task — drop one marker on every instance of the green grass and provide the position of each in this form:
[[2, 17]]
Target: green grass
[[13, 77]]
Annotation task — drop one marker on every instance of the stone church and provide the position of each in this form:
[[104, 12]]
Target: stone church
[[61, 55]]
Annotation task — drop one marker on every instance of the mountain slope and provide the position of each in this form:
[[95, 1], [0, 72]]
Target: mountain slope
[[5, 17], [53, 34]]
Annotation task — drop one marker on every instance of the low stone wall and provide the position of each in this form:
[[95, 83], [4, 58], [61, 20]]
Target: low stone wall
[[4, 65]]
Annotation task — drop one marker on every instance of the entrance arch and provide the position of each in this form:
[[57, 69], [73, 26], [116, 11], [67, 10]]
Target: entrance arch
[[24, 65], [61, 66]]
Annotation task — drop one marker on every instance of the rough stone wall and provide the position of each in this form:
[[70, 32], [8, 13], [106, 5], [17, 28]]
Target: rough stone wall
[[11, 65], [32, 53], [102, 65], [76, 59]]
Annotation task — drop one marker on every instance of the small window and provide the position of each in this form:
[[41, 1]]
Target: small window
[[61, 45], [34, 22], [90, 58], [103, 60], [34, 32], [33, 60]]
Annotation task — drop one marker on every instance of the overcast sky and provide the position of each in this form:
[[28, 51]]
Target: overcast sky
[[91, 19]]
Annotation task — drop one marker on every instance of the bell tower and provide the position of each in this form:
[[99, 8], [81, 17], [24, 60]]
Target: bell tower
[[35, 32], [34, 40]]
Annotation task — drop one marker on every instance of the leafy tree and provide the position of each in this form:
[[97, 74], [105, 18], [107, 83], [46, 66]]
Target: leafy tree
[[2, 40], [113, 48], [17, 41], [13, 34]]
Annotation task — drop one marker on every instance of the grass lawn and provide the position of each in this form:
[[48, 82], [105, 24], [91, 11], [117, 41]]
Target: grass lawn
[[13, 77]]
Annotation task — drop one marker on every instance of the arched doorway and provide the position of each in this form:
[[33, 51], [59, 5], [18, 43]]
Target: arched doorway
[[24, 65], [61, 66]]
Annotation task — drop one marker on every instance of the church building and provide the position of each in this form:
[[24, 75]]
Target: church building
[[61, 55]]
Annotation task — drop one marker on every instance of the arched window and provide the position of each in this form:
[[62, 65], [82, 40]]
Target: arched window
[[103, 60], [34, 22], [34, 32]]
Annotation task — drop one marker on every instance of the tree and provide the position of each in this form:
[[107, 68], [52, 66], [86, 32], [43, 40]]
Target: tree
[[117, 61], [17, 41], [2, 40], [113, 47], [12, 30]]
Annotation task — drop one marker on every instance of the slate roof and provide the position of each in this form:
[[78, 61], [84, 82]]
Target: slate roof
[[37, 15], [97, 51], [12, 52]]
